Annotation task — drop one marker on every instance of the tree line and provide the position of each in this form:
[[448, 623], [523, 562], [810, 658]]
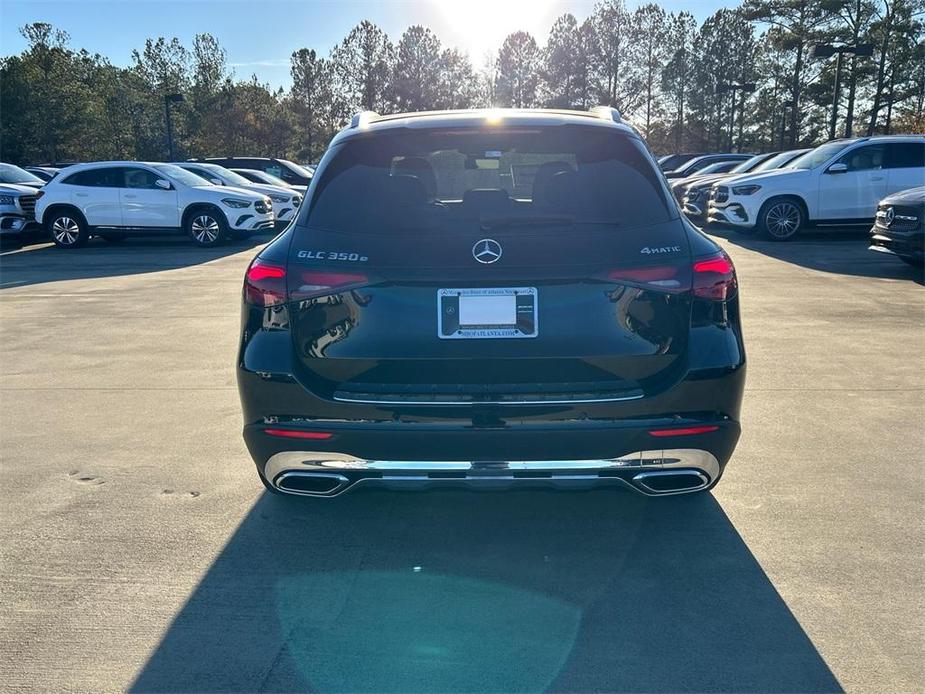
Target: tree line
[[666, 73]]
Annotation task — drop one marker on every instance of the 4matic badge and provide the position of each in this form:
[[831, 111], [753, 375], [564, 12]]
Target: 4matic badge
[[332, 255], [646, 250]]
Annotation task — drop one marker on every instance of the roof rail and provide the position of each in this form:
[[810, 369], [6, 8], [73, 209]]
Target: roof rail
[[607, 113], [363, 118]]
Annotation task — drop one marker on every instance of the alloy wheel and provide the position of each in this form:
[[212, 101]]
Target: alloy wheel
[[783, 220], [66, 231], [205, 229]]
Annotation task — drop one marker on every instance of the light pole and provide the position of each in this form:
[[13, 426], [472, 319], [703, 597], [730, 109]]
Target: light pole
[[170, 99], [783, 120], [827, 50], [743, 88]]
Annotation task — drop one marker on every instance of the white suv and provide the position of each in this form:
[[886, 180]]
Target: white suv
[[119, 198], [285, 200], [837, 184]]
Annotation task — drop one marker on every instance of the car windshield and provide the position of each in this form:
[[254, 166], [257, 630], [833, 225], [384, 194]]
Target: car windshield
[[261, 177], [452, 180], [749, 164], [180, 175], [230, 176], [301, 170], [718, 167], [13, 174], [776, 162], [818, 156]]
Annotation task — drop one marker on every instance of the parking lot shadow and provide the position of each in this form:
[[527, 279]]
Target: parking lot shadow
[[36, 263], [839, 251], [457, 591]]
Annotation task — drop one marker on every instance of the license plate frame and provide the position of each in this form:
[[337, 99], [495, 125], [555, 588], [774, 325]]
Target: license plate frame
[[526, 314]]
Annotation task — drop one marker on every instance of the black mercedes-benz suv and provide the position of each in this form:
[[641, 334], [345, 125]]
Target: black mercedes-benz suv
[[490, 299]]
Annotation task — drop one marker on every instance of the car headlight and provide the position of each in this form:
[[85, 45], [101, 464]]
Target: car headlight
[[7, 200], [236, 202], [745, 190], [279, 198], [296, 200]]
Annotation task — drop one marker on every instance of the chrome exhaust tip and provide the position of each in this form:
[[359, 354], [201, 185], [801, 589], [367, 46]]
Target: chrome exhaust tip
[[663, 482], [311, 483]]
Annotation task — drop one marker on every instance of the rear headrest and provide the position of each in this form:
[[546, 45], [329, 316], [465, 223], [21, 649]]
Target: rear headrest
[[487, 199], [404, 191], [566, 192], [421, 168], [544, 176]]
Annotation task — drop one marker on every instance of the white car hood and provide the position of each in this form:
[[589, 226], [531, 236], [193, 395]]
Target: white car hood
[[224, 191], [17, 188], [778, 176], [266, 189]]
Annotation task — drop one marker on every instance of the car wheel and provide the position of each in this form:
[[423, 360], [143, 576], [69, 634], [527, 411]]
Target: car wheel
[[206, 228], [781, 219], [68, 229]]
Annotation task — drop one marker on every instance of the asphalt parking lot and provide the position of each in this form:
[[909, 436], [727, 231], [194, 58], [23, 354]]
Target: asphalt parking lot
[[140, 551]]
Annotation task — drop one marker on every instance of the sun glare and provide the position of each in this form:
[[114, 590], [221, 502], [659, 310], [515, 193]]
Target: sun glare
[[479, 27]]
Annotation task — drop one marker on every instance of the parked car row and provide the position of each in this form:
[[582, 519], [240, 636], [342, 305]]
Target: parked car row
[[116, 199], [841, 183]]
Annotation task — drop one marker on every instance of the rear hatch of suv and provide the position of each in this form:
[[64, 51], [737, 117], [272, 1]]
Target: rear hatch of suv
[[499, 264]]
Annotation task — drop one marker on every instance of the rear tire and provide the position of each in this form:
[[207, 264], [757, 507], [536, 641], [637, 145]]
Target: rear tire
[[67, 229], [781, 219], [206, 227]]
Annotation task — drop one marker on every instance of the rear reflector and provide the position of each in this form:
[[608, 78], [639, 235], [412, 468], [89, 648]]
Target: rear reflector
[[295, 434], [683, 431], [265, 284]]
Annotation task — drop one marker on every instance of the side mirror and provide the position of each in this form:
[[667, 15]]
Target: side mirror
[[161, 183], [216, 181], [837, 168]]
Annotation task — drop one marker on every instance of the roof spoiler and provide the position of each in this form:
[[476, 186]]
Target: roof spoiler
[[363, 118], [607, 113]]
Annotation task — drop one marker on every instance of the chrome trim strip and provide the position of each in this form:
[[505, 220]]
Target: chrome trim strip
[[417, 473], [426, 403]]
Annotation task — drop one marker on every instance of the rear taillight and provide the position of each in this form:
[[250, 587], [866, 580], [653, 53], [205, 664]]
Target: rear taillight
[[711, 278], [665, 278], [265, 284], [714, 278], [320, 282]]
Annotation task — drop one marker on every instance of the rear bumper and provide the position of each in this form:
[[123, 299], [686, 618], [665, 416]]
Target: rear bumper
[[658, 472]]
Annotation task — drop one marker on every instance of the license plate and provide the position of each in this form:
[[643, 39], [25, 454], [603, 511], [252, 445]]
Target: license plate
[[486, 313]]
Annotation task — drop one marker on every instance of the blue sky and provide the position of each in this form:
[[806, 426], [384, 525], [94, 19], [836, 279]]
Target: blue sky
[[259, 36]]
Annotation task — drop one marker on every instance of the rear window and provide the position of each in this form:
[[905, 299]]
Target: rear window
[[460, 180]]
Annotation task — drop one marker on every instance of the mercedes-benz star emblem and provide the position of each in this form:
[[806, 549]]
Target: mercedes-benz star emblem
[[888, 217], [487, 251]]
